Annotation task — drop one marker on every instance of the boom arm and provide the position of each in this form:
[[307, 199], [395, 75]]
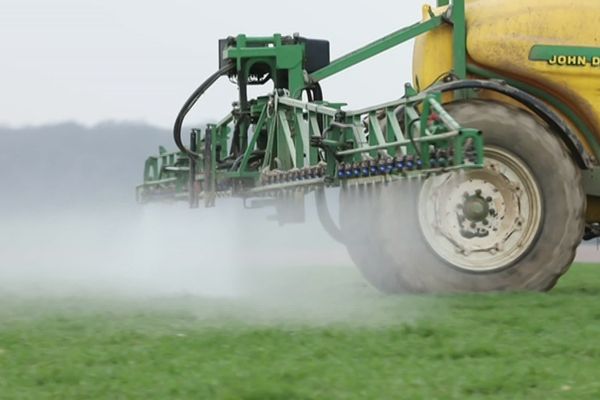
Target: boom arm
[[277, 143]]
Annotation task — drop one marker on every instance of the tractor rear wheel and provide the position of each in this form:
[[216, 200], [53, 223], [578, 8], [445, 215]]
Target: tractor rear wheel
[[513, 225]]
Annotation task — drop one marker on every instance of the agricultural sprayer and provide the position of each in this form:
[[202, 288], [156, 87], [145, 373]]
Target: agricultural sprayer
[[481, 176]]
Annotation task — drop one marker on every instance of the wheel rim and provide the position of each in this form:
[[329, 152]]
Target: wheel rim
[[482, 220]]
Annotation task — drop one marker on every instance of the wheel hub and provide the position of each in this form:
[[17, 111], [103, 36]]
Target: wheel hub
[[475, 208], [482, 220]]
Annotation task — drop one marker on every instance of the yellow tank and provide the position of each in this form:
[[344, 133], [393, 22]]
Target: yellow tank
[[553, 45]]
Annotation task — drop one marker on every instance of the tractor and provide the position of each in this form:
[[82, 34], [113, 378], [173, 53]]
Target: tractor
[[482, 176]]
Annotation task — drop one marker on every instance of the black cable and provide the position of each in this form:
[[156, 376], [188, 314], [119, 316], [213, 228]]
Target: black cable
[[409, 131], [309, 95], [399, 112], [189, 104], [317, 92], [445, 77]]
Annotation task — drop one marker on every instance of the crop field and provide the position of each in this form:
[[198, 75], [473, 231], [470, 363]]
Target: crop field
[[337, 340]]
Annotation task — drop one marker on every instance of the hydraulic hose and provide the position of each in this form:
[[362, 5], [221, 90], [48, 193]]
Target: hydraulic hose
[[325, 217], [189, 104]]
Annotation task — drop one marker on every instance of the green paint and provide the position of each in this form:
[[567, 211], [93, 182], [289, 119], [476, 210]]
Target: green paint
[[459, 38], [373, 49], [287, 135], [344, 144], [566, 55], [279, 56]]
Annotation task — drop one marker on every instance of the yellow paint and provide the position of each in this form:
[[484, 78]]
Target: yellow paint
[[593, 209], [500, 35], [432, 57]]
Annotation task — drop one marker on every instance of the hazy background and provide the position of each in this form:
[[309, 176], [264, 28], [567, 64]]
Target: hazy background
[[68, 165], [89, 89], [69, 225]]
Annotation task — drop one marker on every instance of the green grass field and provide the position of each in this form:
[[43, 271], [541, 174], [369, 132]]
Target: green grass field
[[348, 343]]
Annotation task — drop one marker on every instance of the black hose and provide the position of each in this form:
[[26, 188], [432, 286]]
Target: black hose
[[189, 104], [325, 217], [317, 92]]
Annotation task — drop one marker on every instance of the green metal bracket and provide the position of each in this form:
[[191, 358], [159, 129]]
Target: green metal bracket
[[459, 38], [376, 48], [273, 52]]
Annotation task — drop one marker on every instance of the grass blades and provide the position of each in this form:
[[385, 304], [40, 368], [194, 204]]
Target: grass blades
[[498, 346]]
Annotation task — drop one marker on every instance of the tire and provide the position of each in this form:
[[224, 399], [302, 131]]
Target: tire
[[538, 251]]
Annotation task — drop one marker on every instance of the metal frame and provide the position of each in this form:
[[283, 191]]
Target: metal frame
[[315, 144], [311, 144]]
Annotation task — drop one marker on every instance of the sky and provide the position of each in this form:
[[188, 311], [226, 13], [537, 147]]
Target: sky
[[128, 60]]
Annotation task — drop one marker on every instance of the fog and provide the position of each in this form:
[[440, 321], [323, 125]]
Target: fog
[[153, 250], [72, 233], [216, 265]]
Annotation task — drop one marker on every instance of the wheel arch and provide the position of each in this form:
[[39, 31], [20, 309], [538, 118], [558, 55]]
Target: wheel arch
[[538, 107]]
